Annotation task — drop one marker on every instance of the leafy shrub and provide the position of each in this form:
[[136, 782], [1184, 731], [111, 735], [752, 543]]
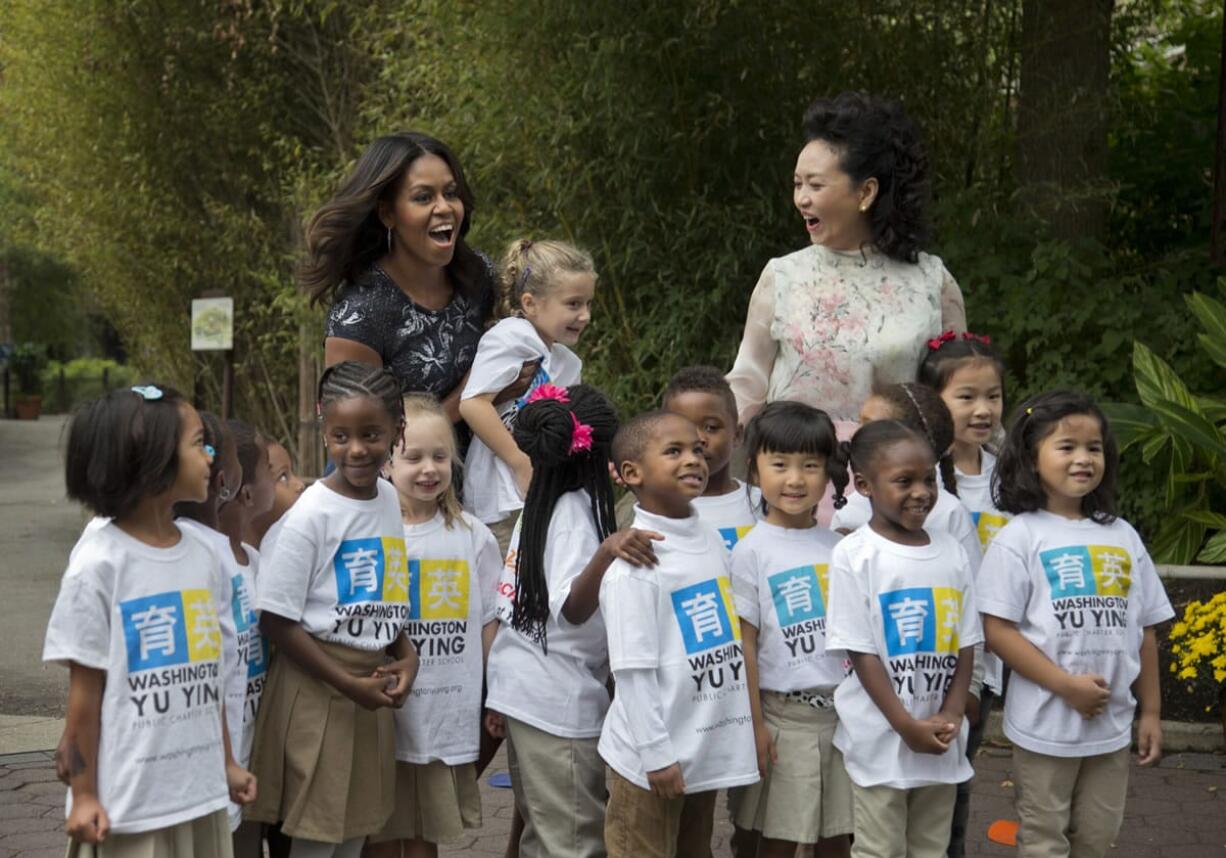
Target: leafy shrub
[[68, 384]]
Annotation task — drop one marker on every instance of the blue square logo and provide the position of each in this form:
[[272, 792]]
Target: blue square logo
[[155, 631], [359, 571], [797, 595], [705, 616]]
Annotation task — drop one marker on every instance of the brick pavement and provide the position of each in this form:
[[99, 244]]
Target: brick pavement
[[1177, 810]]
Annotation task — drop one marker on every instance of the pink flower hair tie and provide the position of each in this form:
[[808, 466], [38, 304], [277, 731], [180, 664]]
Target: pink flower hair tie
[[549, 391], [580, 436]]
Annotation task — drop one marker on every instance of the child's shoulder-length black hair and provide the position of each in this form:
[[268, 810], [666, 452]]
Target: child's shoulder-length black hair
[[124, 447], [794, 427], [1016, 487]]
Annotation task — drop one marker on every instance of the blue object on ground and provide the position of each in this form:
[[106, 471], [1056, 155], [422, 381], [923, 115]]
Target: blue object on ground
[[500, 780]]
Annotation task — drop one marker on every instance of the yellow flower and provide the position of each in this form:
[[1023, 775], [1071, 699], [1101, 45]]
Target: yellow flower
[[1219, 675], [1188, 673]]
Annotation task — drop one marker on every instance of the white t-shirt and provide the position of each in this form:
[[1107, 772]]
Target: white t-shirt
[[1083, 594], [338, 568], [453, 577], [490, 492], [780, 579], [270, 536], [914, 608], [244, 649], [679, 620], [563, 692], [733, 514], [975, 492], [151, 619], [948, 515]]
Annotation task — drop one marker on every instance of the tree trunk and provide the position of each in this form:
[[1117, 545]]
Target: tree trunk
[[1062, 114]]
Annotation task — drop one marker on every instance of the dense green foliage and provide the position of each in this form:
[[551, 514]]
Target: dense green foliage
[[175, 148]]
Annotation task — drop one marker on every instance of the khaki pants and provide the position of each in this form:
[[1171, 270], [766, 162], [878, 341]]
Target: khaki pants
[[503, 530], [639, 824], [1069, 805], [560, 793], [903, 823]]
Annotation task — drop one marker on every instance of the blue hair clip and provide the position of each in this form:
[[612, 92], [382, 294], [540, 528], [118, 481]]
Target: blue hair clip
[[208, 448], [148, 392]]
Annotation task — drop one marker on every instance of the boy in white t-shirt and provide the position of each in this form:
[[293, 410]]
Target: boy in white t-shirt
[[701, 395], [680, 726]]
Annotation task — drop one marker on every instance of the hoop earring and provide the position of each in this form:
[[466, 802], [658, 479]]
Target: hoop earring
[[389, 239]]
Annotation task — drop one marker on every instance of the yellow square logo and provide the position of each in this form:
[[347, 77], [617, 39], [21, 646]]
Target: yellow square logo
[[1112, 569], [203, 629], [395, 570], [948, 604], [725, 592], [443, 589]]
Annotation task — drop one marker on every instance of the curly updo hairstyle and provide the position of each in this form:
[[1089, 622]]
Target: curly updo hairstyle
[[545, 431], [876, 139]]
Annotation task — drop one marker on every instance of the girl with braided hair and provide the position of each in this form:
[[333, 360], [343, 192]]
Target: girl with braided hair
[[333, 598], [548, 669], [856, 306]]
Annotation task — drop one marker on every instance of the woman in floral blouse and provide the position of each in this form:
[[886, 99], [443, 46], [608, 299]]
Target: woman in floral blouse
[[855, 308], [388, 250]]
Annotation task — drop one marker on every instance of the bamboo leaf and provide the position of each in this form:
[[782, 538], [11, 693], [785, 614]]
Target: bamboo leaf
[[1211, 313], [1156, 381], [1192, 427], [1210, 519], [1131, 424], [1177, 541], [1214, 550]]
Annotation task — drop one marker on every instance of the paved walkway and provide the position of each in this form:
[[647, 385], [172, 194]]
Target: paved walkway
[[1177, 810]]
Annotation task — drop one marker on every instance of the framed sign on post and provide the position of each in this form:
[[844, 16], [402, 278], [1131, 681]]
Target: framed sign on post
[[213, 331]]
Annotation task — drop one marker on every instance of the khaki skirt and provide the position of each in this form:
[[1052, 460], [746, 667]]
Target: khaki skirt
[[205, 837], [806, 794], [435, 802], [325, 766]]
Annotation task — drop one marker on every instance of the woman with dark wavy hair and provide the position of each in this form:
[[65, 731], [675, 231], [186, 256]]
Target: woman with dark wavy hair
[[388, 251], [855, 308]]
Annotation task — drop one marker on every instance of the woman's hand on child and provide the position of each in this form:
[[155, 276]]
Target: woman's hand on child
[[1087, 693], [668, 782], [1149, 740], [925, 735], [495, 724], [88, 822], [633, 546], [241, 783], [401, 672], [369, 692], [767, 753]]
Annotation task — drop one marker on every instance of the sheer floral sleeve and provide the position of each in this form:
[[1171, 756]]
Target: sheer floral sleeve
[[750, 375], [953, 310]]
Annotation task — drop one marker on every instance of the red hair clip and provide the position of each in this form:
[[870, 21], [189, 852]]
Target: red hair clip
[[549, 391], [580, 436], [983, 338], [936, 342]]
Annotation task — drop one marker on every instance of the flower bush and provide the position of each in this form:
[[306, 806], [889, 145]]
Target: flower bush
[[1198, 641]]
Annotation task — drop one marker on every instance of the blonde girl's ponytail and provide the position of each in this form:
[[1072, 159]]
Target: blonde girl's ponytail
[[532, 267]]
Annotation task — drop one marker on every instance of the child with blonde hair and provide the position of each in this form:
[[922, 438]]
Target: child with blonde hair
[[546, 301]]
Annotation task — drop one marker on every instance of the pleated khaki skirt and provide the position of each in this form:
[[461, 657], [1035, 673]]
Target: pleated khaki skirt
[[435, 802], [205, 837], [326, 767]]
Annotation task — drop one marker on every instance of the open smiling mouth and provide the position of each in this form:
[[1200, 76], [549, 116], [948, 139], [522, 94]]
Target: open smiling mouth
[[442, 234]]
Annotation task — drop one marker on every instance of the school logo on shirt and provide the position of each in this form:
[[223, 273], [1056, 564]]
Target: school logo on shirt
[[172, 628], [371, 570], [705, 615], [987, 525], [1087, 570], [240, 602], [733, 535], [921, 619], [253, 649], [439, 589], [800, 594]]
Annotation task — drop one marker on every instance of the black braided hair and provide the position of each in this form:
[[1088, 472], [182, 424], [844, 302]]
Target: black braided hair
[[876, 139], [871, 438], [353, 378], [921, 408], [544, 430], [794, 427]]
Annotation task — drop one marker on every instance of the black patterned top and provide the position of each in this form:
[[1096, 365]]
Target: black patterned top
[[428, 350]]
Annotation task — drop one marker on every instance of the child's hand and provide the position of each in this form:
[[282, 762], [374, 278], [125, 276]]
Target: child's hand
[[88, 822], [924, 736], [1149, 740], [953, 725], [766, 748], [667, 782], [403, 671], [369, 692], [495, 724], [523, 477], [633, 546], [1087, 693], [241, 783]]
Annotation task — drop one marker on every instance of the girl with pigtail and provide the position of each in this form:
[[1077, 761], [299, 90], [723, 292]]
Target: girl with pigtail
[[546, 290], [548, 668]]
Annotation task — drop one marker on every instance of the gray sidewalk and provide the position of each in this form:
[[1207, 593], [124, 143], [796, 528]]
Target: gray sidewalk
[[1177, 810]]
